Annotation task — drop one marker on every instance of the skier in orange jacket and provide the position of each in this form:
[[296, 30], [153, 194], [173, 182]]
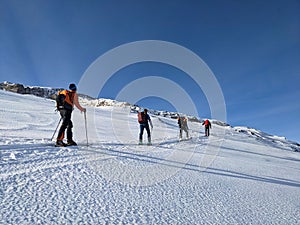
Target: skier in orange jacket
[[65, 104]]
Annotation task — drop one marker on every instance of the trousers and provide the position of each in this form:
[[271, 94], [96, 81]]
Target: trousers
[[66, 124], [142, 127]]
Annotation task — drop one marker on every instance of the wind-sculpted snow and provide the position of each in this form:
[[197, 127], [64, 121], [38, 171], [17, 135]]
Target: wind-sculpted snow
[[244, 177]]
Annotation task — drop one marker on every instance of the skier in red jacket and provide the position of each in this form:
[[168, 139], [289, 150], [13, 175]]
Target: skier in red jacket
[[207, 126]]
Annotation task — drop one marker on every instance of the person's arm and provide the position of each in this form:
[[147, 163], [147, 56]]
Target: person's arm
[[150, 121], [76, 103], [151, 124]]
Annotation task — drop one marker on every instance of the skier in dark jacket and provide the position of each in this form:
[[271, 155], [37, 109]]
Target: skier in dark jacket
[[65, 110], [143, 119], [207, 126]]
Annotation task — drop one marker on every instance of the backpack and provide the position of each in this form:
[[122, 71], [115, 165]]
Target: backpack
[[64, 100], [182, 122], [142, 117], [206, 123]]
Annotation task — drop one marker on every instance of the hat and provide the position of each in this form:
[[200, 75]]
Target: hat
[[72, 87]]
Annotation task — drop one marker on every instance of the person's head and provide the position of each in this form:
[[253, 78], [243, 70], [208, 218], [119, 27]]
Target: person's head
[[145, 111], [73, 87]]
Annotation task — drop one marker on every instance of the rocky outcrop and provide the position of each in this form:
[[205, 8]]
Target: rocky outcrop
[[37, 91]]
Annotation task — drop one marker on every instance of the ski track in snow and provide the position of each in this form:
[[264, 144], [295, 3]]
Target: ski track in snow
[[248, 181]]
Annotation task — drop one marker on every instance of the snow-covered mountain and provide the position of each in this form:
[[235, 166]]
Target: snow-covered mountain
[[236, 176], [47, 92]]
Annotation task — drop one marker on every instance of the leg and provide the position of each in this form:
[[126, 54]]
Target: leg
[[186, 132], [70, 134], [148, 133], [141, 132], [65, 123], [69, 131]]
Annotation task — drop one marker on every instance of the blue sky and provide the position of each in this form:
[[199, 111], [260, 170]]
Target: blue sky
[[252, 47]]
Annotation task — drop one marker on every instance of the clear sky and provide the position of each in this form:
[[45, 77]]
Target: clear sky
[[252, 47]]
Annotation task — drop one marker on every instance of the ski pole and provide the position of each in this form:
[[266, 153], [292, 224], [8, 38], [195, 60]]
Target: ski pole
[[56, 128], [86, 135]]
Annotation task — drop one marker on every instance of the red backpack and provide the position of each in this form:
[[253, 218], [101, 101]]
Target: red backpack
[[142, 117]]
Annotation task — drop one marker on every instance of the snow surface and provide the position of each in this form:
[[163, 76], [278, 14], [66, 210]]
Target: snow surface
[[236, 176]]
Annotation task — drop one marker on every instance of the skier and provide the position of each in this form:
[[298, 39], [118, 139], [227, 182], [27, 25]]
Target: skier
[[66, 100], [143, 119], [207, 126], [182, 123]]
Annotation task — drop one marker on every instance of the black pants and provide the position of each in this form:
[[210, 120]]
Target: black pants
[[142, 127], [206, 130], [66, 124]]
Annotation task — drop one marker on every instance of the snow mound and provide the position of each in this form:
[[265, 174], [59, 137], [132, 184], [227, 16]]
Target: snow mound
[[268, 139]]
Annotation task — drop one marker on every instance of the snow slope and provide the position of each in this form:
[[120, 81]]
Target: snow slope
[[237, 176]]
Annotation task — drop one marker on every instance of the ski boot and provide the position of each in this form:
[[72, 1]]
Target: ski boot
[[149, 141], [60, 143], [71, 143], [140, 142]]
